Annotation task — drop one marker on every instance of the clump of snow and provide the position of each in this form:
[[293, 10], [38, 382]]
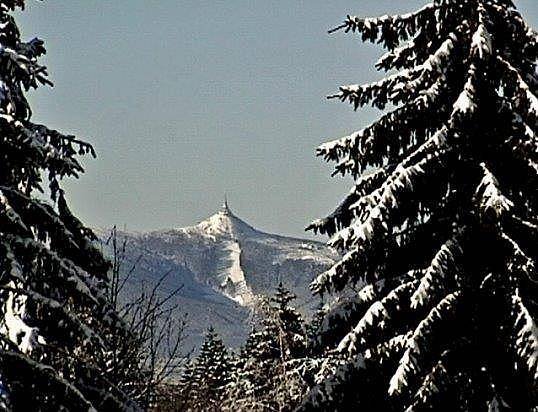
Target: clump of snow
[[465, 104], [481, 42], [13, 325], [490, 196]]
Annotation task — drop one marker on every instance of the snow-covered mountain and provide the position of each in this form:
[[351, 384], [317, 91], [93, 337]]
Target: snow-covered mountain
[[224, 264]]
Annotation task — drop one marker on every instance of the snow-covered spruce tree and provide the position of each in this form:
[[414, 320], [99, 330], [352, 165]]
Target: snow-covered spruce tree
[[441, 225], [285, 324], [266, 376], [251, 376], [204, 380], [289, 330], [54, 320]]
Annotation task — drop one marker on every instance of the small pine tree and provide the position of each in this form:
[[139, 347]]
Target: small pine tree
[[204, 380], [288, 324], [55, 323], [313, 330], [441, 225]]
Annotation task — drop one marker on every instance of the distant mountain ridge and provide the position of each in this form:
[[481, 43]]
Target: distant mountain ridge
[[223, 263]]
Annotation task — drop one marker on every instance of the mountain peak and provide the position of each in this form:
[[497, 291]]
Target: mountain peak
[[224, 223]]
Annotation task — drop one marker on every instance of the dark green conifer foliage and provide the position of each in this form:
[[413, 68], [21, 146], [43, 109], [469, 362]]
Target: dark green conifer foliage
[[440, 229], [204, 380], [54, 319]]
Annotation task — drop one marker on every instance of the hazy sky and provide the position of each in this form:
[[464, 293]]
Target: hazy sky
[[186, 100]]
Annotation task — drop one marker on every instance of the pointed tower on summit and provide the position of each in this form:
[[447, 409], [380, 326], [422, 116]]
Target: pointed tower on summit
[[225, 207], [224, 223]]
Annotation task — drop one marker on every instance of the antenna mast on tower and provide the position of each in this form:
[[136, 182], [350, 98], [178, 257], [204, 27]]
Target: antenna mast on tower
[[225, 206]]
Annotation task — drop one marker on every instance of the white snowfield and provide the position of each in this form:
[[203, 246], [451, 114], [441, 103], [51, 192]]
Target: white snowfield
[[236, 276], [224, 264]]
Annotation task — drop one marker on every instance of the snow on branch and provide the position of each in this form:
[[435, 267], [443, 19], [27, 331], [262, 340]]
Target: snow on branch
[[519, 263], [400, 57], [378, 314], [431, 384], [343, 214], [393, 347], [377, 92], [66, 271], [375, 145], [420, 48], [334, 149], [332, 373], [491, 201], [399, 86], [389, 30], [342, 310], [87, 334], [481, 42], [23, 67], [52, 226], [372, 146], [337, 276], [377, 210], [524, 100], [376, 318], [527, 335], [336, 370], [465, 104], [434, 280], [418, 343], [43, 149], [377, 207], [13, 326]]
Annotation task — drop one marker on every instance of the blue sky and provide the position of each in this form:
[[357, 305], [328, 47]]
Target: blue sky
[[186, 100]]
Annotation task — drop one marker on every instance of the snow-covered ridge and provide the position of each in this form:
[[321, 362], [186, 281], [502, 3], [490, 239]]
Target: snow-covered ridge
[[224, 264], [222, 224]]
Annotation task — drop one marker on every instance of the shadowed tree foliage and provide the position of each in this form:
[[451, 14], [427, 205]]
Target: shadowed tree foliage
[[439, 232]]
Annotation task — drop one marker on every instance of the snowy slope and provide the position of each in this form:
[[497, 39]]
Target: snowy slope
[[223, 263]]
